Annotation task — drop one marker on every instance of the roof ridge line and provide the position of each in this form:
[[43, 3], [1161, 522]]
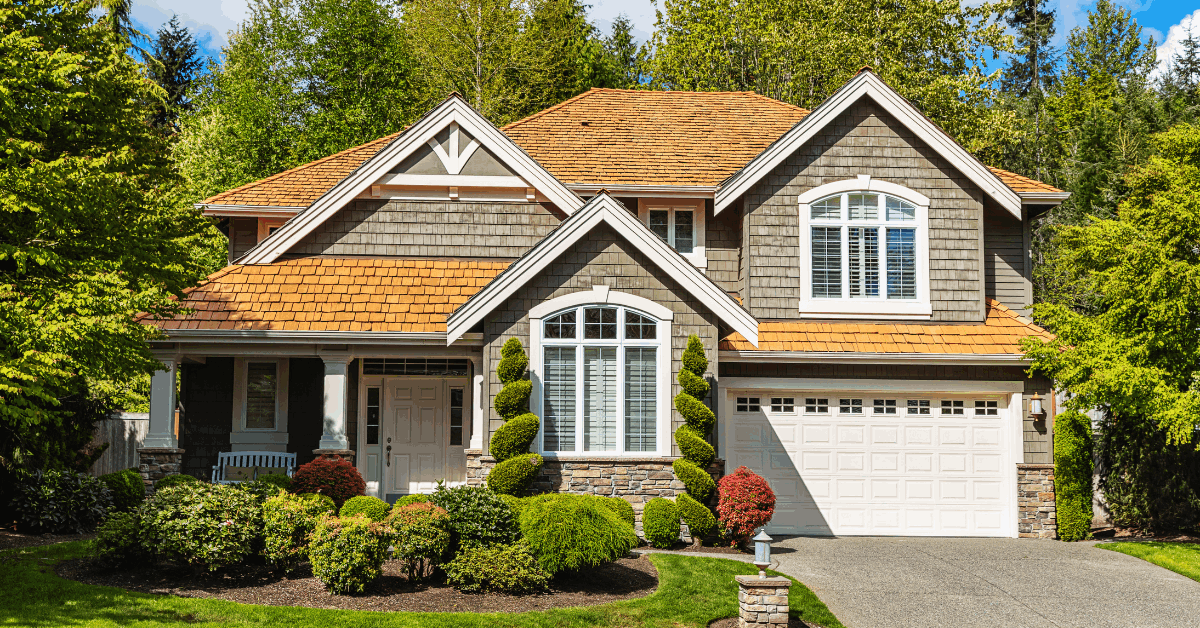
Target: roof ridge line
[[538, 114]]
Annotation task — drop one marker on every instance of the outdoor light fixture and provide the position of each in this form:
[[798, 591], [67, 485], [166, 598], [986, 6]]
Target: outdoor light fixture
[[762, 552], [1035, 406]]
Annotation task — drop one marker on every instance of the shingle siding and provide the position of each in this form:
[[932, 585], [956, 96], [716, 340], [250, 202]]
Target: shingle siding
[[600, 258], [431, 229], [865, 140], [243, 235], [1006, 260], [723, 243]]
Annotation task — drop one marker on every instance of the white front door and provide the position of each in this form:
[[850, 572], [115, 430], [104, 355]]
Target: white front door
[[414, 435]]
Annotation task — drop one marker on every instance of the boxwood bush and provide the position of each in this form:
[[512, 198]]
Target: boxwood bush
[[421, 535], [59, 502], [127, 488], [660, 522], [622, 508], [509, 569], [374, 508], [208, 526], [700, 520], [347, 554], [476, 515], [513, 476], [571, 532], [415, 498], [175, 480], [1073, 475], [118, 542], [288, 520], [329, 476]]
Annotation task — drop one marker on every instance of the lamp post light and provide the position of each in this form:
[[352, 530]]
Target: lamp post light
[[762, 552]]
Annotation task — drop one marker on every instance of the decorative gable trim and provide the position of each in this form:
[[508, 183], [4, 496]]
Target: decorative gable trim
[[455, 113], [602, 208], [866, 83]]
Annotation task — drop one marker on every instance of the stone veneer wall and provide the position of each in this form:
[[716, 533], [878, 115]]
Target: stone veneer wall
[[156, 463], [1035, 501]]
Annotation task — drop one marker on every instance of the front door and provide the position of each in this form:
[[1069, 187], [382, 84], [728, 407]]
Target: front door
[[414, 435]]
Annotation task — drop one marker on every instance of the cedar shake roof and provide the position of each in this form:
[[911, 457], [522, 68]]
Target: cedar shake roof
[[1001, 333], [334, 294], [1023, 185]]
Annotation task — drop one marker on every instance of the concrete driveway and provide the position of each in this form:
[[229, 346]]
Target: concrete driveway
[[876, 582]]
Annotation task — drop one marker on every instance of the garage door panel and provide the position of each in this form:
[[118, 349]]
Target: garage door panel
[[986, 463], [986, 435], [817, 434], [850, 461], [815, 460], [850, 434], [850, 488], [918, 462], [952, 435], [748, 434], [886, 462], [885, 490], [885, 435], [918, 435], [952, 463]]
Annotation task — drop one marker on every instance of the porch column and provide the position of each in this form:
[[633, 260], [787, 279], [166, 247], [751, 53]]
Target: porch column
[[333, 432], [161, 433], [477, 400]]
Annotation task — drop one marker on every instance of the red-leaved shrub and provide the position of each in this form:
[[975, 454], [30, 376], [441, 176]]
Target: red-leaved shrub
[[329, 476], [746, 504]]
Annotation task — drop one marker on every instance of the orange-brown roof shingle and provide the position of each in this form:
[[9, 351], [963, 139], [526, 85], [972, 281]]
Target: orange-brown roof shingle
[[334, 294], [1000, 334], [1023, 185]]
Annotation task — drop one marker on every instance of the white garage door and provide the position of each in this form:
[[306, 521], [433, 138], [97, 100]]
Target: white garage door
[[843, 463]]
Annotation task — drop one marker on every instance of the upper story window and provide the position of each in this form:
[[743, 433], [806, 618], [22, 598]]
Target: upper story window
[[679, 222], [865, 246]]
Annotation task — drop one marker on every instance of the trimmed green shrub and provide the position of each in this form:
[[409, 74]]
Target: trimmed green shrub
[[374, 508], [502, 568], [415, 498], [262, 491], [1149, 483], [698, 482], [694, 448], [476, 515], [288, 520], [746, 504], [514, 475], [620, 507], [699, 519], [208, 526], [513, 361], [660, 523], [693, 357], [334, 477], [275, 479], [176, 480], [697, 415], [127, 489], [347, 554], [59, 502], [514, 437], [1073, 475], [571, 532], [692, 383], [513, 400], [421, 535], [516, 505], [118, 543]]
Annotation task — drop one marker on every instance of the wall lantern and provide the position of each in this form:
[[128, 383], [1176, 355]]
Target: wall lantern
[[1035, 407], [762, 552]]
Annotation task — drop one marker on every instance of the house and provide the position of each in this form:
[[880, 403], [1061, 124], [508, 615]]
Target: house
[[857, 278]]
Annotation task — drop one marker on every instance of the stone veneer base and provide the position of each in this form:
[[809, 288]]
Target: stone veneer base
[[762, 602], [156, 463], [344, 454], [1036, 516]]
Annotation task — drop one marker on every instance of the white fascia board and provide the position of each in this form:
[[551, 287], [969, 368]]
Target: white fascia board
[[866, 84], [854, 357], [924, 386], [248, 211], [601, 208], [329, 337], [452, 110], [1044, 198], [458, 180]]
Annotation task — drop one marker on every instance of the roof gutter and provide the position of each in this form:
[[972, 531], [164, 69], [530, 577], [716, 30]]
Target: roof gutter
[[1039, 198], [308, 337], [857, 357], [248, 211]]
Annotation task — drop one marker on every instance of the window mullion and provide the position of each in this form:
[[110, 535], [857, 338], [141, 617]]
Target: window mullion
[[619, 446]]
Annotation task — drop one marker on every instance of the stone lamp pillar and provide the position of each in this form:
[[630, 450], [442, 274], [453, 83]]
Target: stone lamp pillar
[[763, 602]]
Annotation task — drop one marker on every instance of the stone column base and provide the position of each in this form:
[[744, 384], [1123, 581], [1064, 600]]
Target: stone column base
[[156, 463], [763, 602], [1037, 516], [344, 454]]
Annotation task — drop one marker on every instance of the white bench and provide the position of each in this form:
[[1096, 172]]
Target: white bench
[[251, 459]]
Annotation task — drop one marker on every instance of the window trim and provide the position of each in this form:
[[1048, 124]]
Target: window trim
[[243, 438], [601, 296], [698, 257], [864, 308]]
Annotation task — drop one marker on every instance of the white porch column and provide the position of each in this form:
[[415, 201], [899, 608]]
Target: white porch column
[[333, 433], [161, 432], [477, 401]]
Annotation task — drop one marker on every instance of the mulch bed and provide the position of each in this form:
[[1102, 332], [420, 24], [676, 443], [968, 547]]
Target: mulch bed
[[704, 549], [625, 579], [11, 539]]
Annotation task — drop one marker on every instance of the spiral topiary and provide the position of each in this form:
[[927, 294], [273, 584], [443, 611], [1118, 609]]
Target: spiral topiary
[[515, 470], [693, 444]]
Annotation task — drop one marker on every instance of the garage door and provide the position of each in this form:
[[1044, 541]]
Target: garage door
[[848, 464]]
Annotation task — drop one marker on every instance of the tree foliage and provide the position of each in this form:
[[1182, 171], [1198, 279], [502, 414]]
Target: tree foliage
[[173, 63]]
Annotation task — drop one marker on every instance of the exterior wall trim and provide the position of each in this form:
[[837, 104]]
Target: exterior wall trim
[[336, 337], [822, 357], [601, 294], [862, 182], [871, 385]]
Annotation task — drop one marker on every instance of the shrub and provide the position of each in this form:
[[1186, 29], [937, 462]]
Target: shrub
[[514, 475], [746, 504], [516, 505], [208, 526], [59, 502], [513, 438], [571, 532], [416, 498], [694, 447], [1073, 475], [118, 543], [175, 480], [333, 477], [347, 554], [127, 488], [660, 522], [288, 520], [261, 491], [698, 482], [278, 480], [697, 415], [502, 568], [620, 507], [374, 508], [697, 516], [421, 535], [476, 515]]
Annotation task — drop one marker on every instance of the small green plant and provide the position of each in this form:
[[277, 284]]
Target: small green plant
[[175, 480], [1073, 475], [509, 569], [347, 554], [208, 526], [415, 498], [660, 522], [421, 535], [288, 520], [515, 468], [59, 502], [374, 508], [118, 543], [700, 520], [571, 532], [127, 488], [476, 515]]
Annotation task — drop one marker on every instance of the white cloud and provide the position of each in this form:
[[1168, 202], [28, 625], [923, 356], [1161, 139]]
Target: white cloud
[[209, 20], [1173, 43], [640, 12]]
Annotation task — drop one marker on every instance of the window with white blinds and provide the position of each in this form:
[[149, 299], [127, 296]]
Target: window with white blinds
[[615, 387]]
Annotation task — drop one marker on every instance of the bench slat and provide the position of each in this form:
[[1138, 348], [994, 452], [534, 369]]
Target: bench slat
[[251, 459]]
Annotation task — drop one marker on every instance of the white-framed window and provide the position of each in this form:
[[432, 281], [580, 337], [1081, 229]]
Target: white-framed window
[[262, 394], [679, 222], [601, 375], [864, 251]]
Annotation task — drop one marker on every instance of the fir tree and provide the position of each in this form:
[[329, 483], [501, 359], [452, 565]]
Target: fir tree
[[1032, 70], [173, 64], [628, 60]]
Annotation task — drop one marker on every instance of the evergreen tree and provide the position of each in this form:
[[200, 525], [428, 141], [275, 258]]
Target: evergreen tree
[[173, 64], [1032, 68], [118, 18], [1180, 85], [627, 59], [571, 50]]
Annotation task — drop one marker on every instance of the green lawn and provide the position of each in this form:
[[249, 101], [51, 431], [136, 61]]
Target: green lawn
[[692, 592], [1182, 558]]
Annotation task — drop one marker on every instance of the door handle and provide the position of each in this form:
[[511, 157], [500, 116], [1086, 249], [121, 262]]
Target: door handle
[[388, 456]]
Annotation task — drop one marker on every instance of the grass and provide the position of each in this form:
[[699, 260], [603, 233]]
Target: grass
[[1182, 558], [692, 591]]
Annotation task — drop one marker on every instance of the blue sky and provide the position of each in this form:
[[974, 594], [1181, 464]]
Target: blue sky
[[211, 20]]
